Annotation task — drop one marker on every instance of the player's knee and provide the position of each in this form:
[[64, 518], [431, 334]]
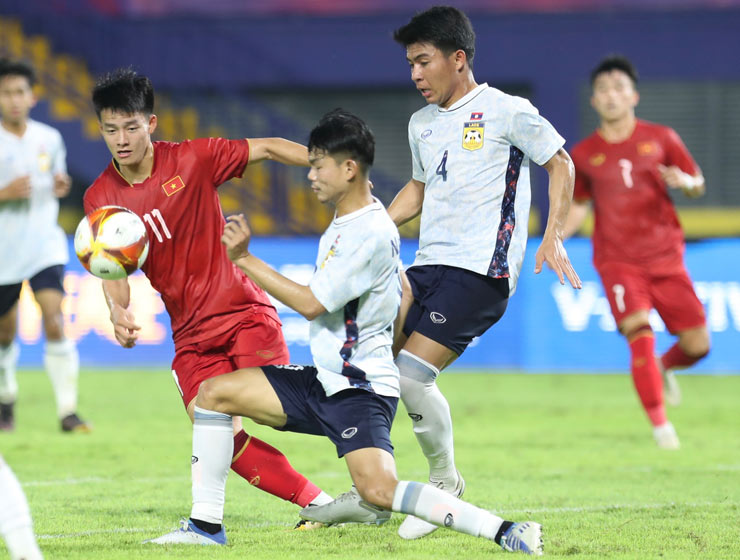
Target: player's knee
[[6, 337], [697, 345], [210, 395], [378, 491], [417, 376], [53, 329]]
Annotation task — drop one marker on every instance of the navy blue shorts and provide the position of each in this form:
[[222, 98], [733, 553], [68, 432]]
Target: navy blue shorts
[[454, 305], [52, 277], [352, 419]]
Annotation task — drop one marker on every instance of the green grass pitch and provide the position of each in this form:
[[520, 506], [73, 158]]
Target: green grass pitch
[[573, 452]]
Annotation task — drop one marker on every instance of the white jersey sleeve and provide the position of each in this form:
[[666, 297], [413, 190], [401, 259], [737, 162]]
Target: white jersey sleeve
[[417, 169], [532, 133]]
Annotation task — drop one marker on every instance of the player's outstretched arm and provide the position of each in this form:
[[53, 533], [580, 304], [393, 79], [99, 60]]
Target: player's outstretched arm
[[236, 238], [118, 296], [408, 202], [277, 149], [562, 177]]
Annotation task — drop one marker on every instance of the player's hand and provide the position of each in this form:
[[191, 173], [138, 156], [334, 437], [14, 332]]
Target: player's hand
[[18, 189], [124, 326], [552, 252], [677, 179], [62, 184], [236, 237]]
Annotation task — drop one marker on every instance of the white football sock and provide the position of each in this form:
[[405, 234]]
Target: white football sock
[[16, 526], [444, 510], [62, 363], [321, 499], [8, 362], [430, 414], [213, 446]]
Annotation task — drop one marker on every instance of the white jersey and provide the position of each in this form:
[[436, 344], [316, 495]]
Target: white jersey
[[357, 280], [473, 159], [31, 237]]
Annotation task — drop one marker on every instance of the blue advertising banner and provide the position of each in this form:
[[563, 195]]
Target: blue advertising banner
[[547, 327]]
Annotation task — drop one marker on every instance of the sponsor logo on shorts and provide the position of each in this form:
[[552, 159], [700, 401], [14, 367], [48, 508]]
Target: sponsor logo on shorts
[[437, 317], [349, 432], [426, 134], [449, 520], [193, 459], [415, 417], [265, 353]]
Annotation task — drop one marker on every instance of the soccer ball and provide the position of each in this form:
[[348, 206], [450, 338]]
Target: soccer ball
[[111, 242]]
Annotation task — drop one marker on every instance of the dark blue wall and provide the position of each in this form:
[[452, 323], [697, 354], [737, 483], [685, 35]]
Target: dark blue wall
[[551, 52]]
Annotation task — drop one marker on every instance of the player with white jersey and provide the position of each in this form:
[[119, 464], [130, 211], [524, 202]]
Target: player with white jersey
[[351, 393], [33, 176], [485, 170], [471, 148]]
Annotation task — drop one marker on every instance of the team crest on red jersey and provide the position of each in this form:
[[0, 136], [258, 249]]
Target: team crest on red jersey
[[645, 148], [597, 159], [173, 185]]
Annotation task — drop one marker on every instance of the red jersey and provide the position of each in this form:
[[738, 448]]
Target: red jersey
[[205, 294], [635, 220]]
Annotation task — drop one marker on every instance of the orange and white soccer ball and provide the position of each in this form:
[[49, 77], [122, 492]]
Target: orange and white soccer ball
[[111, 242]]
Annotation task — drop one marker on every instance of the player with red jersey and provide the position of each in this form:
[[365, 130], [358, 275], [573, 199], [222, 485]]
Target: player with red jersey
[[625, 169], [221, 320]]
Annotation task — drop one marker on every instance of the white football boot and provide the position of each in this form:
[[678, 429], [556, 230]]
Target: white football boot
[[666, 437], [346, 508]]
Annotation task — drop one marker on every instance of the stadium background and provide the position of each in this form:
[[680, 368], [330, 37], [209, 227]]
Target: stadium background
[[271, 68]]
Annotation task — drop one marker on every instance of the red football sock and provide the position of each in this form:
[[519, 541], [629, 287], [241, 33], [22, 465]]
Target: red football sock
[[646, 375], [676, 357], [266, 468]]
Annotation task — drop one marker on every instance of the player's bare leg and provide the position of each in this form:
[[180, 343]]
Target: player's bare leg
[[8, 362], [646, 376], [420, 362], [373, 471], [692, 345], [61, 360], [259, 463]]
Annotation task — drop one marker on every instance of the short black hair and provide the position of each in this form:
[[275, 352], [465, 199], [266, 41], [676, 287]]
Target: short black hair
[[615, 62], [10, 67], [445, 27], [340, 132], [123, 90]]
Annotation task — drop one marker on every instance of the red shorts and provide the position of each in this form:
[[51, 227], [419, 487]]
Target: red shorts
[[258, 341], [631, 288]]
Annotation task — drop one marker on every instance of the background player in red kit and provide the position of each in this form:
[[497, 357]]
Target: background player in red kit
[[221, 320], [626, 168]]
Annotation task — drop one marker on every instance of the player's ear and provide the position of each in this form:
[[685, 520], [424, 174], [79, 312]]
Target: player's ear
[[152, 123], [351, 169], [460, 58]]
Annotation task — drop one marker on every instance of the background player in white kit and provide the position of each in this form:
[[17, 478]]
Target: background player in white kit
[[33, 175], [351, 393], [16, 526], [470, 150]]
